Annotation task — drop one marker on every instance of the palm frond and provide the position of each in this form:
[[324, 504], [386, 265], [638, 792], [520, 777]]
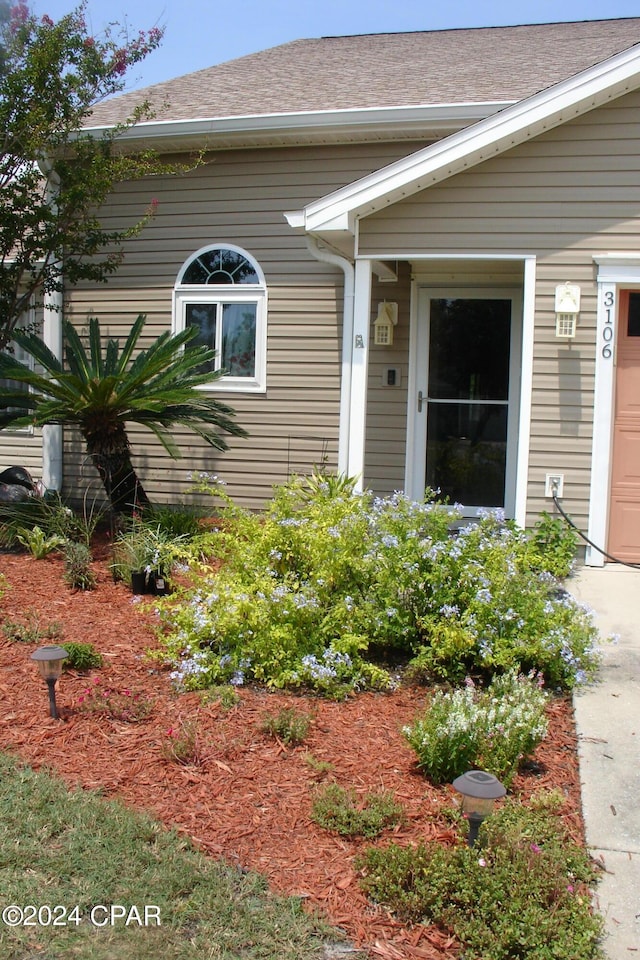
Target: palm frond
[[75, 354], [130, 343], [32, 344], [95, 346]]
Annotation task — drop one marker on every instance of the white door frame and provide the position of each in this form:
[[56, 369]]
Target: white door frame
[[616, 271], [521, 382]]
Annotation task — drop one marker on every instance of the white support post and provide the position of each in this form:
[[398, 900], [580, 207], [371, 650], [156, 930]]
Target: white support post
[[359, 369], [526, 387], [52, 434], [602, 420]]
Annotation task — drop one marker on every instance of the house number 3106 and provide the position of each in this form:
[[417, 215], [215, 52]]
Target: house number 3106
[[608, 327]]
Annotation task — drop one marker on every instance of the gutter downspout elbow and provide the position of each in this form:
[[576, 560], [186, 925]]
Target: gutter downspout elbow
[[344, 428]]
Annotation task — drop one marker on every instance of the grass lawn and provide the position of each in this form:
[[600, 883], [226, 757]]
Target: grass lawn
[[62, 849]]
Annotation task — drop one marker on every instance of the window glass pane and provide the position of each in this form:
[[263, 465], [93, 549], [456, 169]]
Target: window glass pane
[[466, 452], [469, 349], [239, 339], [633, 325], [202, 316], [23, 357], [221, 266]]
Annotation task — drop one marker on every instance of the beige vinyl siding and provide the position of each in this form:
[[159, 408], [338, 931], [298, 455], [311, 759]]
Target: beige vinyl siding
[[386, 421], [562, 197], [22, 448], [238, 198]]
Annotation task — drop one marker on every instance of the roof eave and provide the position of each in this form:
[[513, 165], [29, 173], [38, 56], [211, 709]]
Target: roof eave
[[493, 135], [408, 122]]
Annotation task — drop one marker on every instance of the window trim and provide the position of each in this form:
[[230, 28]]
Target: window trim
[[29, 321], [219, 293]]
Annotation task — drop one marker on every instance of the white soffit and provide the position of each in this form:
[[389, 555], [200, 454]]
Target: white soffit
[[515, 124]]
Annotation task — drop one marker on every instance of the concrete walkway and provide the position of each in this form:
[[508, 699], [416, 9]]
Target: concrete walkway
[[608, 724]]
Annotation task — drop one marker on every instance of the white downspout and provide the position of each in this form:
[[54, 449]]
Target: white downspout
[[344, 435], [52, 336]]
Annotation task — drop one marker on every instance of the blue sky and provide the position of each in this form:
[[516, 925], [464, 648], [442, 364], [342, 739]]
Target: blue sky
[[201, 33]]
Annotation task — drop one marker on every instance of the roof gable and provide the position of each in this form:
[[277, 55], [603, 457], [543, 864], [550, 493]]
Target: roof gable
[[522, 121]]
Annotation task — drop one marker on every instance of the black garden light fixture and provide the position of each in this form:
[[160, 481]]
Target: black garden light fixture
[[49, 660], [479, 792]]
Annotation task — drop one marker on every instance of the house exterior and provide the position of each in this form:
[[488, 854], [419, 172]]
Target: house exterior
[[389, 243]]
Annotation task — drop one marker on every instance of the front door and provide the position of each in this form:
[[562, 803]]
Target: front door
[[465, 435], [624, 521]]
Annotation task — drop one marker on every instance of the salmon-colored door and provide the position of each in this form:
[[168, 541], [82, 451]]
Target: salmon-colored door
[[624, 520]]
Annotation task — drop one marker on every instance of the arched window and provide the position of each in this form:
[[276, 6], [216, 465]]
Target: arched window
[[221, 292]]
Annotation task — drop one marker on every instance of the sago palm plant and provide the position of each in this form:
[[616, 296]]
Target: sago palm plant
[[103, 388]]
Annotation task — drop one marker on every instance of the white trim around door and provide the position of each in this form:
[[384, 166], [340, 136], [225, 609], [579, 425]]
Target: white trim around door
[[615, 272]]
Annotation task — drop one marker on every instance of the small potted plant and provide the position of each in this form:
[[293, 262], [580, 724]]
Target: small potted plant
[[144, 557]]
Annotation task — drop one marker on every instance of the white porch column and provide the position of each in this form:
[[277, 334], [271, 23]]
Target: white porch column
[[526, 388], [52, 435], [52, 336], [359, 370]]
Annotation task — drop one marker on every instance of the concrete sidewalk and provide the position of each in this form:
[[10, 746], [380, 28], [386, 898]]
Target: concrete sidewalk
[[608, 724]]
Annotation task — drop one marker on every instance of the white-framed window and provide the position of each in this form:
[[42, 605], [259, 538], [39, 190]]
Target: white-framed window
[[221, 291], [27, 320]]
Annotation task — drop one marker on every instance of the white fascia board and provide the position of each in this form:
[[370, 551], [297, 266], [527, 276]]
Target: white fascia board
[[513, 125], [420, 118]]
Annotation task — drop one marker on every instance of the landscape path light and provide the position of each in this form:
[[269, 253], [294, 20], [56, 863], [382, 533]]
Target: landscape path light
[[479, 792], [49, 660]]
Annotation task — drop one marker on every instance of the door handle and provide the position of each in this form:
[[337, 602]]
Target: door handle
[[420, 399]]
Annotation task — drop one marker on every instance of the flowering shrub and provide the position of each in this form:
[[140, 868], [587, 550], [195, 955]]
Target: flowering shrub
[[182, 745], [490, 729], [125, 705], [326, 577], [508, 896]]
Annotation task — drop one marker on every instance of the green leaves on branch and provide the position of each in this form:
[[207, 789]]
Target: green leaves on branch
[[54, 177]]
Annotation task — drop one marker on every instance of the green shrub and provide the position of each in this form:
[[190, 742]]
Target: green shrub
[[521, 891], [552, 546], [30, 630], [175, 522], [490, 729], [82, 656], [336, 809], [77, 567], [287, 725], [225, 695], [309, 591], [52, 516], [37, 542], [145, 548]]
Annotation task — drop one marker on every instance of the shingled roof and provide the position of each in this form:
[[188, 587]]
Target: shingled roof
[[478, 65]]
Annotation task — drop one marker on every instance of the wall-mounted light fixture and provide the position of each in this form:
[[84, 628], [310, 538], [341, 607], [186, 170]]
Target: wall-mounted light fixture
[[384, 323], [567, 309]]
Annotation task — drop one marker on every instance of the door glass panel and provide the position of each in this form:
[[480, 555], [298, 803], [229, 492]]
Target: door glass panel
[[469, 349], [468, 392], [467, 452]]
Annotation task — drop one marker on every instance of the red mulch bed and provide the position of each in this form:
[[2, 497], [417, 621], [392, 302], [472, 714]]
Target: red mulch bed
[[249, 801]]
